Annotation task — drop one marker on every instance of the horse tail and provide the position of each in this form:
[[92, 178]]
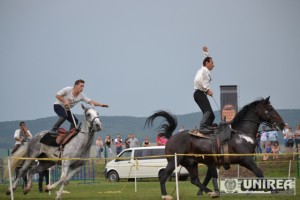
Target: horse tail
[[166, 128], [21, 152]]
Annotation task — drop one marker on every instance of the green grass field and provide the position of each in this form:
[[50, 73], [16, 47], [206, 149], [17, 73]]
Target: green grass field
[[150, 189]]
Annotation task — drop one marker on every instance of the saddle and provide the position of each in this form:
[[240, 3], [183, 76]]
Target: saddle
[[218, 138], [61, 139]]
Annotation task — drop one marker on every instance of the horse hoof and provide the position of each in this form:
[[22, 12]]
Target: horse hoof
[[167, 197], [8, 191], [213, 194], [25, 190]]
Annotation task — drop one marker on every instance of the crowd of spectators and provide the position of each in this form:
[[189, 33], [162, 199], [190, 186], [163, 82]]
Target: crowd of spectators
[[268, 144]]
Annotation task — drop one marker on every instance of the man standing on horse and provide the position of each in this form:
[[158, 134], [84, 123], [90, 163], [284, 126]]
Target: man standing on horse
[[202, 89], [67, 98]]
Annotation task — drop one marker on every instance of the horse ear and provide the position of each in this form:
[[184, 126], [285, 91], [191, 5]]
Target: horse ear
[[82, 106], [267, 100]]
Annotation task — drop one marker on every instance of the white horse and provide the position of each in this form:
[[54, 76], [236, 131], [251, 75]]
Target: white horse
[[78, 147]]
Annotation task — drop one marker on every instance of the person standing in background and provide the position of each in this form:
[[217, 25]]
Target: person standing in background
[[133, 141], [297, 139], [108, 143], [127, 145], [263, 138], [284, 131], [290, 141], [43, 174], [118, 144], [273, 135], [99, 146], [146, 142], [257, 144]]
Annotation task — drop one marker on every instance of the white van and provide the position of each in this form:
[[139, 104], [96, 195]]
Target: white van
[[140, 162]]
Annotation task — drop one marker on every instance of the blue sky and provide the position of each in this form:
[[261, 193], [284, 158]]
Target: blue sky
[[141, 56]]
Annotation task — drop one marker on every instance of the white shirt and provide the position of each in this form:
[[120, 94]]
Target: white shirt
[[264, 136], [202, 79], [19, 134], [284, 132], [273, 135], [67, 94]]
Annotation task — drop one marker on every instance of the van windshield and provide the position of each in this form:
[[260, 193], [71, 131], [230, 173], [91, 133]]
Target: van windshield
[[143, 154], [126, 155]]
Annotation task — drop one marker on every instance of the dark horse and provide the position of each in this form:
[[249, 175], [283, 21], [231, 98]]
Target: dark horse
[[243, 130]]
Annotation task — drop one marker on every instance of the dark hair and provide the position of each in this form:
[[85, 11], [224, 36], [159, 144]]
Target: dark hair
[[78, 81], [21, 123], [207, 59]]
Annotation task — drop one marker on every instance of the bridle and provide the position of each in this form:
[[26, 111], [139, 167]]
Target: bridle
[[91, 122], [269, 124]]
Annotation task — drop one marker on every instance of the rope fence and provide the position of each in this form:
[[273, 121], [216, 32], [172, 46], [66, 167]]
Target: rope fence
[[135, 165]]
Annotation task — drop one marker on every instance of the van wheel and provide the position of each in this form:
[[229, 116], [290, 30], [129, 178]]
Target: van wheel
[[113, 176]]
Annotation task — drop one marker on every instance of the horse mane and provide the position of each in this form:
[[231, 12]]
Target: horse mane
[[167, 126], [241, 114]]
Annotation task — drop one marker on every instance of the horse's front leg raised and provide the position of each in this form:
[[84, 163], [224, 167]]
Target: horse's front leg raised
[[64, 172], [69, 176]]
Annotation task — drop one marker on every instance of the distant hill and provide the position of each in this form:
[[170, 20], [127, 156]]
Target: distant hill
[[124, 125]]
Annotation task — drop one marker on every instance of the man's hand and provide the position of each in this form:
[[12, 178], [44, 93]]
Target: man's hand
[[205, 48], [209, 92], [66, 104]]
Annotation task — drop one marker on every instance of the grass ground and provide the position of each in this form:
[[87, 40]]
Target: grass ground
[[149, 188]]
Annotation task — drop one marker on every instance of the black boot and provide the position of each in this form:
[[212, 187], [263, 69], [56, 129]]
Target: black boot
[[59, 122], [204, 124]]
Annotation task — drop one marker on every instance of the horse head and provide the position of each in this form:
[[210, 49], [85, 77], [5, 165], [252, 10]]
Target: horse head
[[91, 116], [269, 115]]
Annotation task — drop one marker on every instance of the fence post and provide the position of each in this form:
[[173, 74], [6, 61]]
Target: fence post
[[297, 158], [10, 180], [290, 168], [176, 177]]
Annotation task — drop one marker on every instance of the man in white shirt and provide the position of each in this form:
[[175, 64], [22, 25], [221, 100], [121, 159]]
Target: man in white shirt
[[133, 141], [202, 89], [273, 135], [21, 135], [67, 98]]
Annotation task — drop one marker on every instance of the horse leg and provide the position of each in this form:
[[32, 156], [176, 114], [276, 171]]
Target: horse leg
[[211, 173], [205, 182], [163, 176], [64, 171], [193, 171], [252, 166], [69, 176], [21, 172], [41, 166]]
